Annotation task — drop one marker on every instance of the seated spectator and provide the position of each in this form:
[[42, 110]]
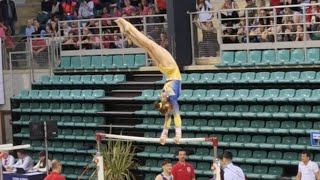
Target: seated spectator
[[56, 8], [93, 26], [118, 42], [70, 43], [37, 27], [107, 41], [128, 9], [7, 159], [38, 44], [288, 31], [25, 162], [155, 32], [30, 28], [94, 41], [56, 171], [230, 6], [300, 36], [129, 44], [260, 3], [69, 10], [145, 7], [312, 15], [86, 9], [203, 6], [47, 32], [66, 29], [105, 13], [116, 12], [161, 6], [46, 6], [3, 30], [54, 27], [250, 13], [164, 42], [230, 35], [42, 163]]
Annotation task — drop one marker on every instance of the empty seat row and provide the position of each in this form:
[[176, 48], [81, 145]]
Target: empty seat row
[[247, 141], [70, 134], [249, 77], [230, 125], [61, 146], [83, 121], [90, 108], [128, 61], [203, 168], [240, 95], [65, 94], [241, 111], [271, 57], [81, 79], [239, 156]]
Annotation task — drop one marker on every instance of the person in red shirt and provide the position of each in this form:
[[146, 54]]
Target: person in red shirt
[[183, 170], [56, 171]]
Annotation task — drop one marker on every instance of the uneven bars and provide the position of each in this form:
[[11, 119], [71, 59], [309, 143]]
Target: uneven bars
[[15, 147], [6, 145], [214, 140]]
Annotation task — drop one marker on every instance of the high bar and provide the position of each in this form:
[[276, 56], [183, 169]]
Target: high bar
[[8, 148]]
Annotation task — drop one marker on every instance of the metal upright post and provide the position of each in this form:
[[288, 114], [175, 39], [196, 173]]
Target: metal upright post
[[46, 145]]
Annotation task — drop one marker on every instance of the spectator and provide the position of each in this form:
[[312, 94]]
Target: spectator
[[7, 159], [209, 44], [54, 28], [108, 41], [37, 27], [69, 8], [307, 169], [145, 7], [42, 163], [94, 41], [229, 34], [116, 12], [56, 8], [229, 6], [105, 14], [56, 171], [128, 9], [3, 30], [300, 36], [129, 44], [203, 6], [161, 6], [183, 170], [166, 173], [231, 171], [312, 15], [86, 9], [93, 26], [38, 45], [66, 29], [30, 28], [46, 6], [70, 43], [164, 42], [118, 42], [250, 13], [8, 14], [24, 161], [47, 33]]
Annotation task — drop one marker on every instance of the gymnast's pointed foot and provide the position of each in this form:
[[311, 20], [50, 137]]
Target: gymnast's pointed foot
[[164, 137], [178, 136], [123, 25]]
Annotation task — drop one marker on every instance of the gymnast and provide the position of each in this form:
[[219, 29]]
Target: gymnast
[[170, 93]]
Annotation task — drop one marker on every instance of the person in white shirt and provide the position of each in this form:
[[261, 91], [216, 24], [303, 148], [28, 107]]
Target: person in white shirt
[[167, 168], [41, 165], [24, 161], [231, 171], [7, 159], [307, 170]]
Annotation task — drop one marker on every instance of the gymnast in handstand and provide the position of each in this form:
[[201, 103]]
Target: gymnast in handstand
[[170, 93]]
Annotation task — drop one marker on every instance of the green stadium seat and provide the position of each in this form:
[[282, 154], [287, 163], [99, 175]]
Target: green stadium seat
[[269, 95], [108, 79], [288, 158], [240, 58], [283, 57], [129, 60], [233, 78], [261, 77], [98, 93], [242, 156], [269, 110], [301, 95], [239, 95], [86, 62], [212, 94], [270, 126], [65, 62], [200, 152], [45, 80], [147, 150], [197, 95], [161, 152], [65, 94], [150, 176], [219, 78], [273, 173], [286, 142], [268, 57], [203, 166], [254, 95], [185, 94], [184, 77], [193, 77], [145, 95], [33, 94], [229, 139], [239, 109], [254, 58], [54, 94], [224, 95], [225, 109], [76, 80], [119, 78], [275, 77], [290, 77], [86, 79], [76, 62], [258, 171], [43, 94], [117, 62], [205, 78], [284, 111], [297, 56], [240, 125], [139, 60], [226, 124], [257, 156], [227, 58], [253, 110], [306, 77], [272, 157], [301, 110], [284, 95], [35, 118], [96, 62], [246, 168], [23, 94], [107, 62], [255, 141], [186, 108], [196, 110], [247, 77], [313, 56]]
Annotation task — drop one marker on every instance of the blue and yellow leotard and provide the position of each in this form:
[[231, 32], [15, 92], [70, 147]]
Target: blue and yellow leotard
[[172, 88]]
